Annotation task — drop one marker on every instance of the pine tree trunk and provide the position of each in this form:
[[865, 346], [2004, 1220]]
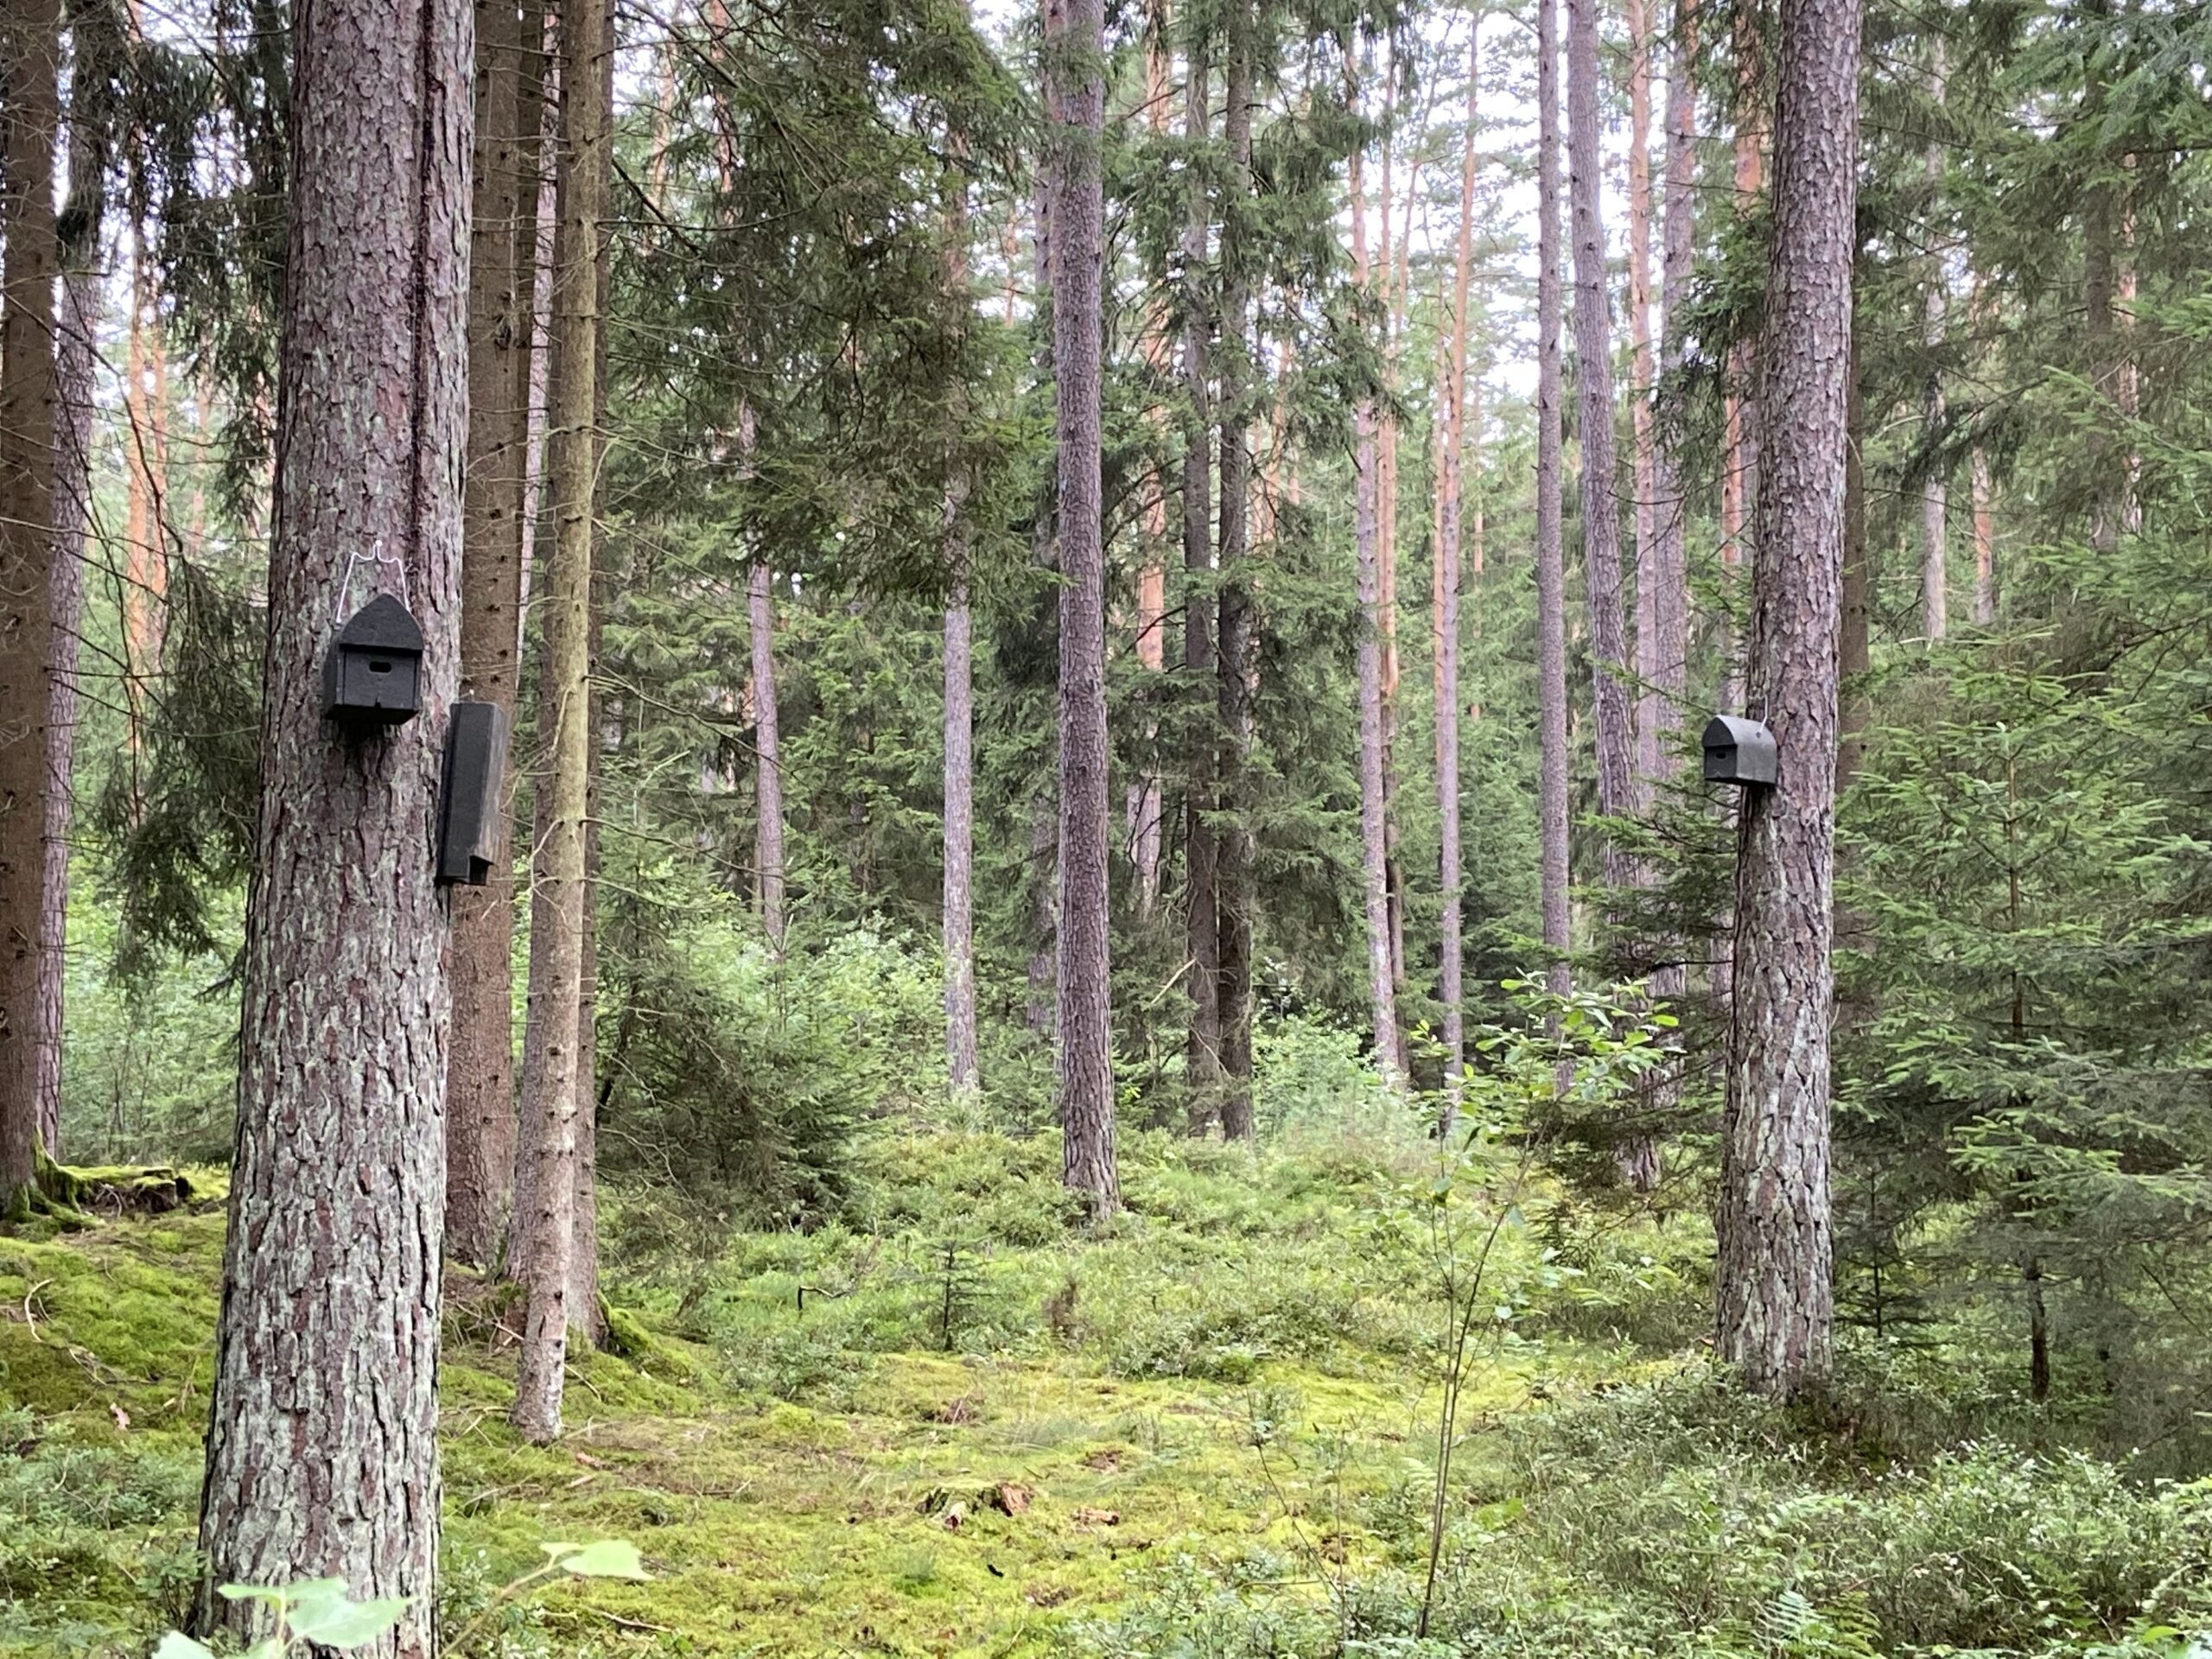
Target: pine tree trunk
[[321, 1448], [1551, 558], [546, 1233], [146, 446], [1202, 898], [1650, 717], [1041, 1005], [30, 51], [480, 1122], [1075, 127], [1856, 597], [1145, 793], [1373, 834], [962, 1067], [767, 749], [1775, 1298], [1237, 667], [1739, 459], [1451, 497], [1935, 496], [1593, 345], [77, 364], [1663, 660], [1985, 541]]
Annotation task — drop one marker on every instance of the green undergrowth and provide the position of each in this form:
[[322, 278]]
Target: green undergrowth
[[951, 1422]]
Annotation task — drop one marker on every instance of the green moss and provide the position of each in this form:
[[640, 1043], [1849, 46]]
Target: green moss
[[1238, 1369]]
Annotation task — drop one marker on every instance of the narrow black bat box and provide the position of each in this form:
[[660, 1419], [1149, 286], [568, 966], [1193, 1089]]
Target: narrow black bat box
[[469, 817], [1740, 751], [373, 675]]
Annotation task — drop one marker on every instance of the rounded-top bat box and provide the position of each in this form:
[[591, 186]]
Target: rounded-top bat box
[[373, 675], [1740, 751]]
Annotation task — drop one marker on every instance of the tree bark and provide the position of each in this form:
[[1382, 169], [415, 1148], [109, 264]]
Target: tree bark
[[1373, 825], [1663, 660], [1551, 559], [546, 1233], [1934, 495], [76, 368], [962, 1069], [1739, 461], [1643, 396], [1451, 494], [1202, 900], [1855, 595], [1775, 1298], [1237, 667], [1145, 793], [481, 1120], [1985, 541], [321, 1448], [1041, 1005], [1601, 544], [30, 51], [767, 749], [1074, 129]]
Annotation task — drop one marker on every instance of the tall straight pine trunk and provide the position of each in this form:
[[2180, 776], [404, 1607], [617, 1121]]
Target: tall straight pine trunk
[[1374, 831], [30, 53], [76, 385], [768, 752], [962, 1070], [1074, 68], [481, 1119], [1739, 459], [1202, 898], [1451, 512], [1935, 494], [1776, 1302], [1551, 559], [1593, 345], [321, 1447], [545, 1247], [1238, 664]]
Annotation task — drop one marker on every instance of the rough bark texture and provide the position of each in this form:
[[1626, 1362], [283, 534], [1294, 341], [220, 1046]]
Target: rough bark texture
[[1935, 494], [1641, 412], [1451, 496], [1551, 559], [145, 570], [1593, 346], [553, 1108], [1145, 792], [1201, 906], [1238, 668], [1076, 106], [1775, 1299], [1663, 659], [1375, 875], [321, 1446], [1985, 541], [1740, 459], [1855, 598], [31, 106], [77, 359], [962, 1070], [480, 1123], [767, 749], [1039, 1007]]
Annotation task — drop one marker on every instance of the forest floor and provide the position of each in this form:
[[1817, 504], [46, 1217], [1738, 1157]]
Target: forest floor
[[1210, 1431]]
